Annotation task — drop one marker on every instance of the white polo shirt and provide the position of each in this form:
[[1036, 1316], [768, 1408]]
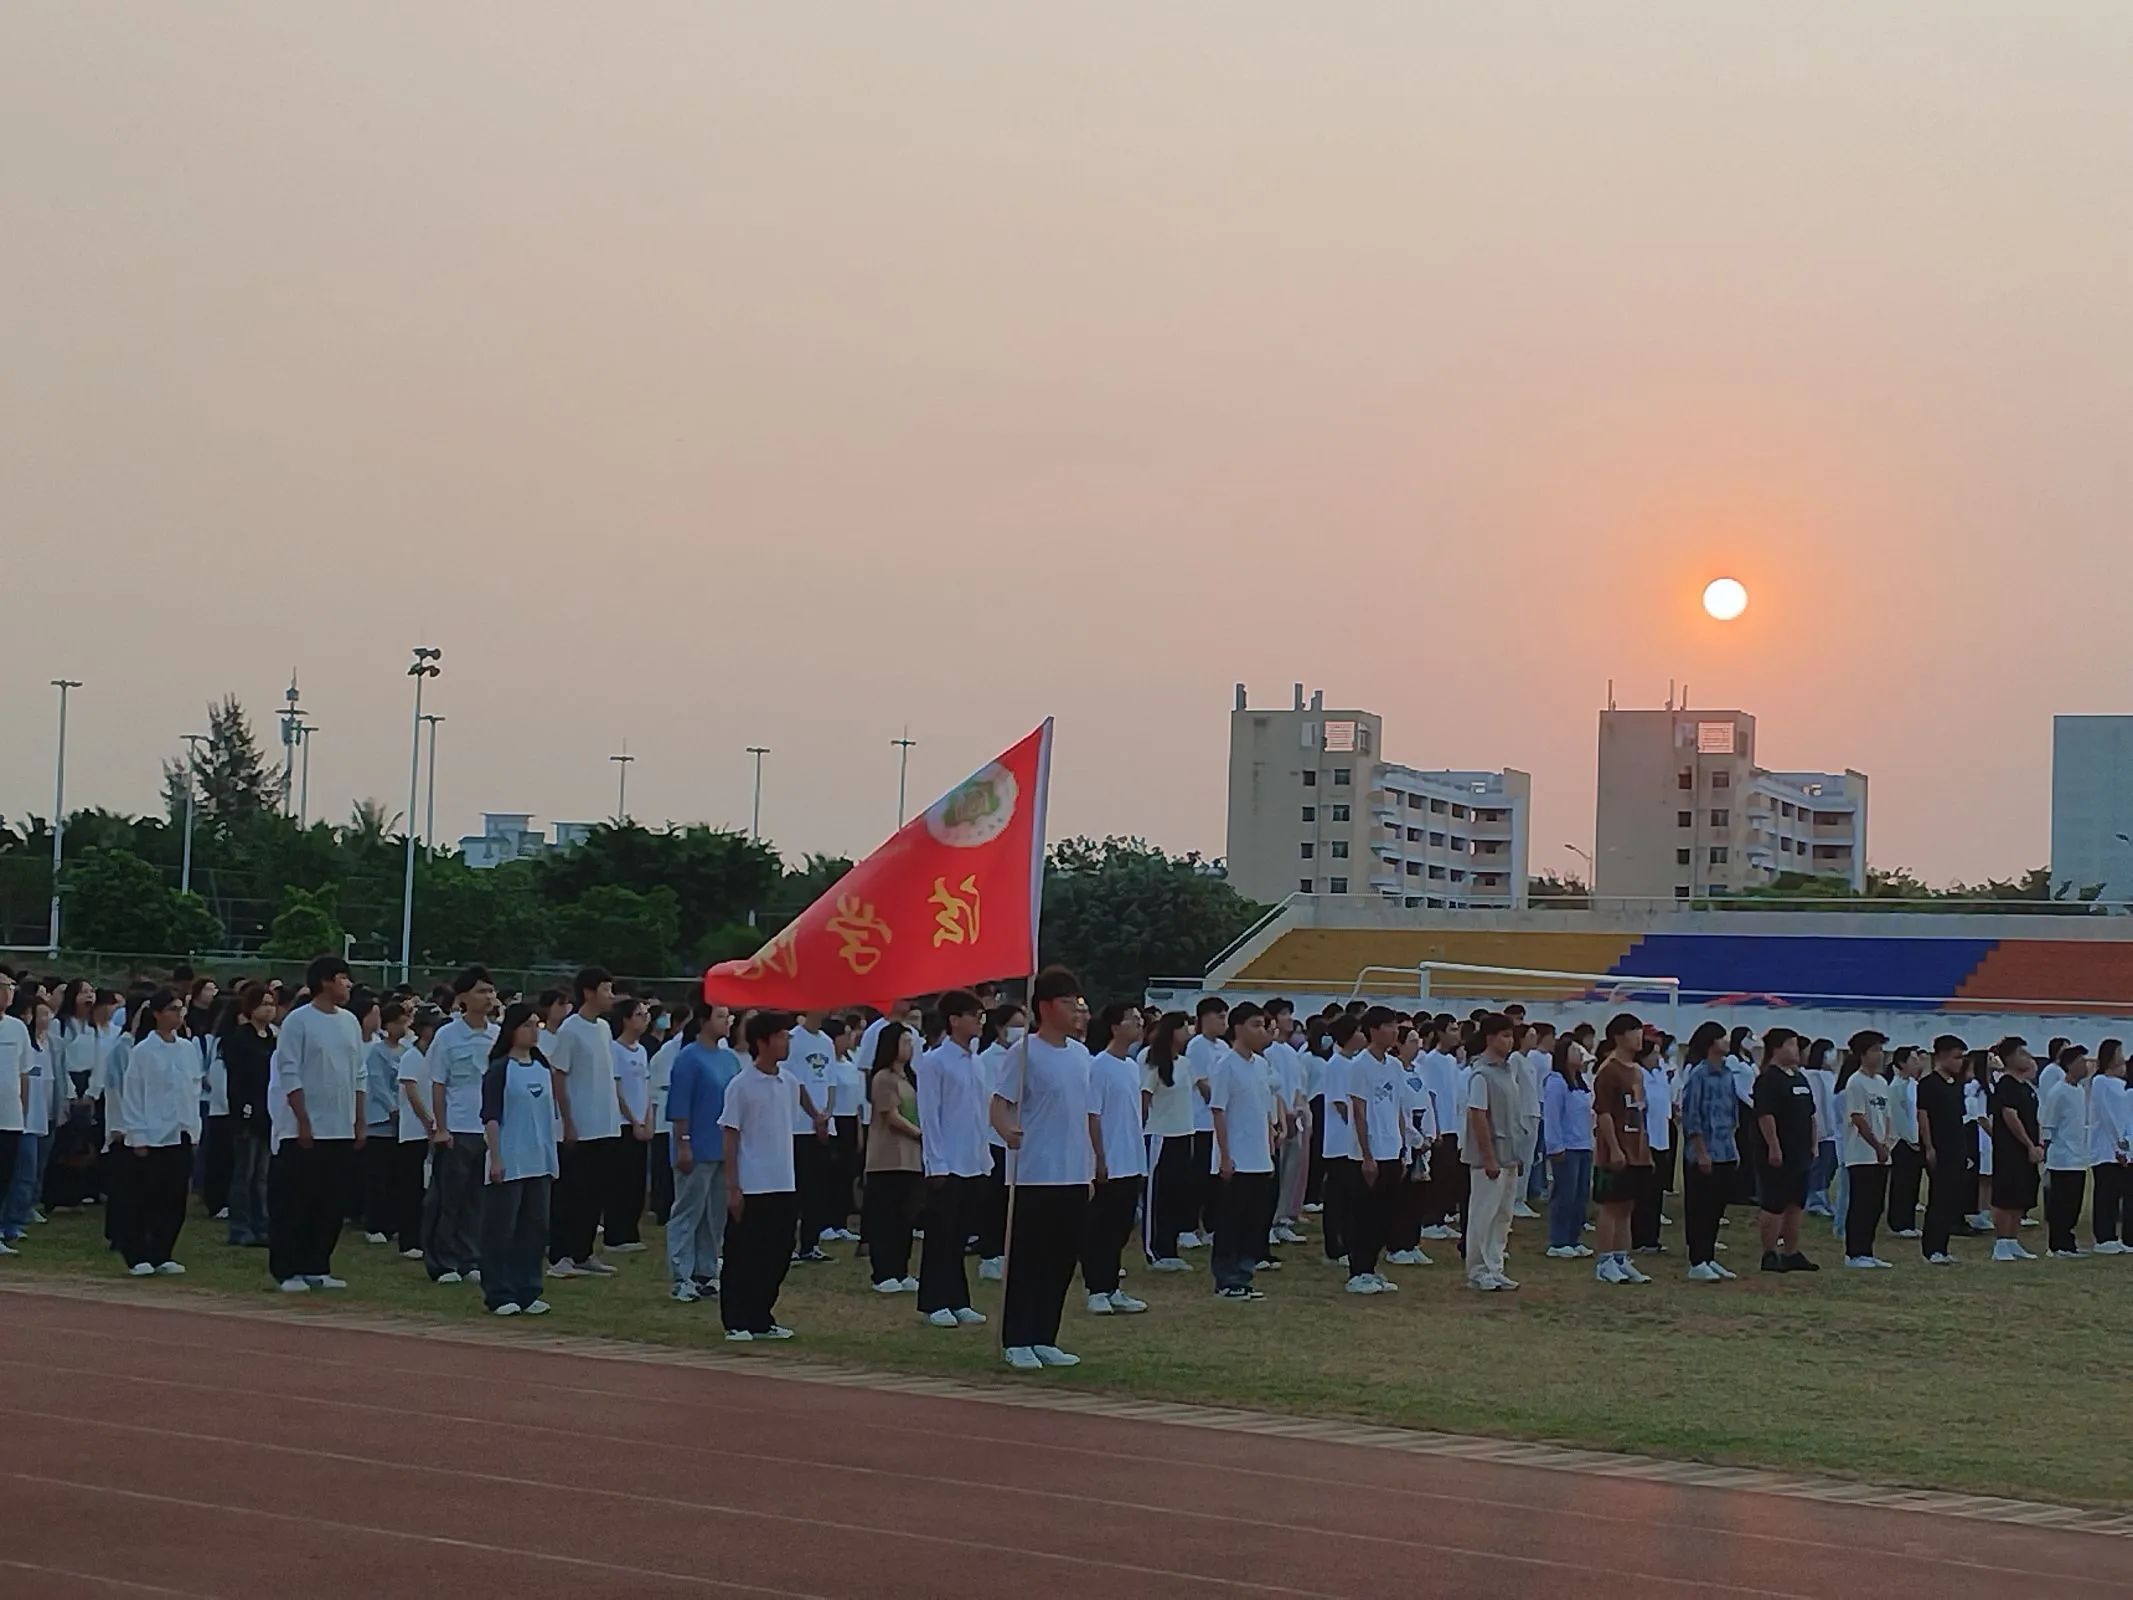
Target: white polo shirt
[[760, 1106], [458, 1059]]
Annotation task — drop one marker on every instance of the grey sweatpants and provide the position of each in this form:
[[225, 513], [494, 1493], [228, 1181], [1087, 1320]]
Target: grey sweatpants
[[696, 1227]]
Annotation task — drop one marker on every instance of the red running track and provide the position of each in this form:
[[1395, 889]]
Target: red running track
[[154, 1451]]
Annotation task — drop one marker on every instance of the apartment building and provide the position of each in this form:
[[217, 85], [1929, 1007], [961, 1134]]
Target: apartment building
[[1315, 809], [2092, 806], [1684, 812]]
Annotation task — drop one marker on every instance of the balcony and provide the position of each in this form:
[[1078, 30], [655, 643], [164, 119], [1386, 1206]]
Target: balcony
[[1385, 849]]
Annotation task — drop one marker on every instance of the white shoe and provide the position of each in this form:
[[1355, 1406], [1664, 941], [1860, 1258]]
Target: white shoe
[[1497, 1283], [1563, 1252], [2022, 1253], [1124, 1304], [170, 1269], [1385, 1284], [1170, 1264], [1023, 1359], [686, 1293], [598, 1268], [447, 1277], [1527, 1212], [373, 1238], [1364, 1284], [1980, 1220], [1860, 1263], [221, 1216], [536, 1308], [1404, 1258], [629, 1249], [566, 1268], [777, 1330], [739, 1336], [1190, 1241], [909, 1286], [1942, 1260], [1906, 1233], [1665, 1221], [7, 1249], [1885, 1266], [2006, 1250], [1726, 1272], [1052, 1356], [1313, 1209], [1705, 1272], [943, 1318], [1099, 1305], [2029, 1222], [965, 1317], [1610, 1271], [508, 1309], [1631, 1275], [1288, 1236], [473, 1274], [1584, 1251], [992, 1269], [1440, 1231], [829, 1236], [2110, 1247], [2068, 1255], [325, 1280], [295, 1286], [889, 1286], [411, 1255], [142, 1269]]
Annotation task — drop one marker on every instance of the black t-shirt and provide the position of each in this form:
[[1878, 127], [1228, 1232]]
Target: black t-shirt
[[2007, 1150], [1788, 1099], [1940, 1107]]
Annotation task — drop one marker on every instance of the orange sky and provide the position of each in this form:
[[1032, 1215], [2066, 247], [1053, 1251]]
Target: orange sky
[[714, 375]]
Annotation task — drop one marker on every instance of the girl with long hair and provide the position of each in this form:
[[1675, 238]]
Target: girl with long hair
[[1566, 1116], [519, 1135], [1166, 1120], [159, 1111], [247, 1052], [895, 1164]]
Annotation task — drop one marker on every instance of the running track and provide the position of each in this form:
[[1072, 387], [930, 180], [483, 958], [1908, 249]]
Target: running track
[[168, 1451]]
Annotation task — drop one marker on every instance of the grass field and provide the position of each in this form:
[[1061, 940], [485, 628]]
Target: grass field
[[2006, 1379]]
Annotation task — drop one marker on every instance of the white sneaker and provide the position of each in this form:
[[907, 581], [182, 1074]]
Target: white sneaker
[[1906, 1233], [1170, 1264], [2111, 1247], [777, 1330], [411, 1255], [2006, 1250], [1705, 1272], [1631, 1275], [909, 1286], [1313, 1208], [508, 1309], [221, 1216], [566, 1268], [686, 1293], [597, 1268], [1124, 1304], [170, 1269], [1665, 1221], [2029, 1222], [1052, 1356], [992, 1269], [1726, 1272], [473, 1274], [1190, 1241], [325, 1280], [447, 1277], [1563, 1252], [1288, 1236], [1583, 1251], [1610, 1271], [1521, 1209], [2023, 1253], [889, 1286], [295, 1286], [1885, 1266], [1860, 1263], [1941, 1260], [829, 1236], [1980, 1220], [536, 1308], [1440, 1231], [1364, 1284], [1099, 1305], [967, 1318], [1385, 1284], [1404, 1258], [7, 1249], [142, 1269], [739, 1336], [2068, 1255], [943, 1318], [629, 1249], [1497, 1283], [373, 1238], [1023, 1359]]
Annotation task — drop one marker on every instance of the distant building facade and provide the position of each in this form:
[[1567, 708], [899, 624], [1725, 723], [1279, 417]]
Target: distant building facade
[[2092, 806], [511, 836]]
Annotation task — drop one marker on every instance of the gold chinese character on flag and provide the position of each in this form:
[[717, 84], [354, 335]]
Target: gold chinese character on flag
[[957, 920], [857, 926]]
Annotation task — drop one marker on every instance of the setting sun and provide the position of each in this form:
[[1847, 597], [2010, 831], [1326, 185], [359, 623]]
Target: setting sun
[[1725, 598]]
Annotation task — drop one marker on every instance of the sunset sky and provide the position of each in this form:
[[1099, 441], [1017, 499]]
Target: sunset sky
[[709, 375]]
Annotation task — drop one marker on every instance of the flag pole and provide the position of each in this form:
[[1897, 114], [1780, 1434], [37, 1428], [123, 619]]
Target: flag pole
[[1029, 1001]]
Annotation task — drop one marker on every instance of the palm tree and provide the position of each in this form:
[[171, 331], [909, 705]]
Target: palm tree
[[369, 825]]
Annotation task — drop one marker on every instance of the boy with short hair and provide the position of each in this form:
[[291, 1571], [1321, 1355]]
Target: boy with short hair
[[1247, 1122], [1623, 1156], [761, 1198]]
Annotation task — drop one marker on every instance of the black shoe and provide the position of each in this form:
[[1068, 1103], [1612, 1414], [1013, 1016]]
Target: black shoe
[[1799, 1263], [1773, 1262]]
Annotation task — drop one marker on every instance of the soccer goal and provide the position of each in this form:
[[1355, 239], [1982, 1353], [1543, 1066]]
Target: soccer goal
[[1447, 980]]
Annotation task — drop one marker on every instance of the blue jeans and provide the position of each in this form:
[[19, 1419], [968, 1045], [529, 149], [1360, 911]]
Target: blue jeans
[[1821, 1172], [1537, 1166], [23, 1184], [248, 1185], [1566, 1201]]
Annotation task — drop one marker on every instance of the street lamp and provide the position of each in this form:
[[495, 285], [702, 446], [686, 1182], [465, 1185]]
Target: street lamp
[[304, 731], [59, 803], [193, 741], [903, 768], [755, 821], [622, 784], [424, 667], [1592, 870], [429, 806]]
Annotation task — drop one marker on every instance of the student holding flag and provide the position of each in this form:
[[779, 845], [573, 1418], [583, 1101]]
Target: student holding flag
[[1041, 1109]]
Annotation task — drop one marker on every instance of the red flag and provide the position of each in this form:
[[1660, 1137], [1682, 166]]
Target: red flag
[[951, 900]]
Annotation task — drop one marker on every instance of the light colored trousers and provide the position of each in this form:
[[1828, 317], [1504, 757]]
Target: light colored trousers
[[1488, 1221], [1294, 1167], [696, 1227]]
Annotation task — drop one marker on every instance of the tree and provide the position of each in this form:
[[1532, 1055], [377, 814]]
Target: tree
[[1899, 889], [235, 783], [491, 915], [717, 877], [308, 924], [633, 934], [1545, 891], [370, 825], [115, 901], [801, 888], [1122, 912]]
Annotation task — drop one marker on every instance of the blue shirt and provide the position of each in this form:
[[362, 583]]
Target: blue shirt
[[1710, 1108], [1566, 1114], [697, 1092]]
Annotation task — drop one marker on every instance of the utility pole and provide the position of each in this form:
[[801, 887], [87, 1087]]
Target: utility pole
[[755, 822], [291, 720], [304, 731], [424, 667], [429, 809], [903, 770], [59, 804], [193, 741], [622, 784]]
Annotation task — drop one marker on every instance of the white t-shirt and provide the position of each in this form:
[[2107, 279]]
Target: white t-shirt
[[1048, 1085], [1115, 1098], [458, 1058], [1169, 1109], [1418, 1111], [586, 1057], [1244, 1093], [2108, 1130], [633, 1078], [321, 1053], [1441, 1071], [1872, 1098], [218, 1078], [38, 1119], [14, 1067], [1377, 1084], [662, 1079], [1202, 1056], [1340, 1132], [848, 1094], [809, 1057], [988, 1060], [1824, 1084], [1288, 1075], [761, 1105], [2063, 1119], [414, 1069], [1658, 1108]]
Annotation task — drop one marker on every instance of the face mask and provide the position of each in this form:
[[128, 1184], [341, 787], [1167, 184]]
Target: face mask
[[1012, 1036]]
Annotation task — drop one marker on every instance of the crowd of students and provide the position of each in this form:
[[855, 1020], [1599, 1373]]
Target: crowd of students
[[497, 1140]]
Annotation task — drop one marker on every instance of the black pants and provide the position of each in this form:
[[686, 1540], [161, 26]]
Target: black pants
[[1644, 1216], [1410, 1209], [1170, 1195], [886, 1214], [844, 1147], [1951, 1196], [381, 1155], [2110, 1216], [2063, 1192], [1339, 1202], [305, 1190], [662, 1175], [758, 1255], [1043, 1247], [218, 1155], [584, 1174], [1204, 1184], [1907, 1168], [1703, 1200], [513, 1237], [1315, 1168], [943, 1282], [117, 1166], [454, 1209], [1110, 1226], [814, 1166], [622, 1206], [162, 1179], [410, 1158], [1862, 1212], [986, 1221], [1448, 1182], [1243, 1196], [1370, 1215]]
